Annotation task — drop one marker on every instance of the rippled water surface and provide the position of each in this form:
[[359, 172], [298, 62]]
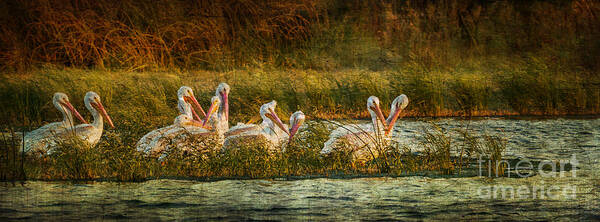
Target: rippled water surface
[[406, 198]]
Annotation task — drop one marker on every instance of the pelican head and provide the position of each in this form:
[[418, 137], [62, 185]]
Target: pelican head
[[398, 105], [223, 93], [186, 94], [186, 121], [214, 106], [92, 103], [267, 111], [296, 121], [61, 101], [375, 110]]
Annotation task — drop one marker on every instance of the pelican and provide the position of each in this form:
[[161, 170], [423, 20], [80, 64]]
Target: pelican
[[159, 141], [39, 139], [186, 102], [365, 139], [399, 104], [271, 132], [220, 121], [91, 133], [185, 98]]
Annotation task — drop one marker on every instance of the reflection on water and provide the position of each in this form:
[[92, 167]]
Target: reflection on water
[[405, 198], [315, 199], [551, 139]]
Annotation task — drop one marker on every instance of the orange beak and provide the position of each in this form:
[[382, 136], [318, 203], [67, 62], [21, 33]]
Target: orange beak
[[226, 105], [196, 117], [273, 116], [99, 107], [379, 115], [193, 101], [74, 111], [294, 130], [392, 121], [212, 109]]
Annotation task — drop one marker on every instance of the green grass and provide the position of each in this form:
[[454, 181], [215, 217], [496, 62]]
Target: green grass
[[116, 159], [148, 98]]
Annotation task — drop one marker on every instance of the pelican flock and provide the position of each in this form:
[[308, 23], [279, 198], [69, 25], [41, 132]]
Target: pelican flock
[[156, 141], [40, 139], [271, 133], [44, 139], [185, 134], [209, 131], [365, 141]]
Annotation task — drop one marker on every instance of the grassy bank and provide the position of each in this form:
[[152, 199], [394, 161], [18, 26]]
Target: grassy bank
[[149, 98], [115, 159]]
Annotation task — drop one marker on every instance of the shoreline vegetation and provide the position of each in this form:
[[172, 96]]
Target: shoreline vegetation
[[114, 159], [325, 57], [341, 94]]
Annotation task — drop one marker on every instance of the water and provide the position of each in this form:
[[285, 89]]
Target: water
[[404, 198], [550, 139]]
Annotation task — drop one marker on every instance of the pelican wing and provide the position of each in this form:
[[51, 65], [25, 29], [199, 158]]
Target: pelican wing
[[357, 138], [171, 138], [242, 128], [38, 139], [143, 145]]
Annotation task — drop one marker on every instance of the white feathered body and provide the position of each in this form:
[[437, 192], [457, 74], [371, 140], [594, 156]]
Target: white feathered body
[[40, 140], [191, 139], [361, 139], [271, 138]]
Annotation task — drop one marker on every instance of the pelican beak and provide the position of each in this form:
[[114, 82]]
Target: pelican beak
[[196, 117], [273, 116], [100, 108], [379, 115], [295, 128], [74, 111], [393, 121], [194, 102], [213, 108], [226, 105]]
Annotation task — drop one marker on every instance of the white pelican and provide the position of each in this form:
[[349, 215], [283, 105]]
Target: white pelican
[[184, 134], [185, 104], [39, 139], [397, 106], [220, 121], [271, 133], [185, 98], [366, 140], [92, 132]]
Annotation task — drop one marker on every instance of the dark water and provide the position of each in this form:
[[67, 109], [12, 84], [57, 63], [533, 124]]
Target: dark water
[[572, 196]]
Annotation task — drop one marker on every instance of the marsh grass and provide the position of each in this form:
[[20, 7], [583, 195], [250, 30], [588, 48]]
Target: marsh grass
[[11, 157], [437, 145], [493, 149], [75, 159], [146, 100], [116, 159]]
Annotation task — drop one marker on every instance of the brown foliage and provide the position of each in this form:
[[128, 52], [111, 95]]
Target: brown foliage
[[137, 34], [216, 34]]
